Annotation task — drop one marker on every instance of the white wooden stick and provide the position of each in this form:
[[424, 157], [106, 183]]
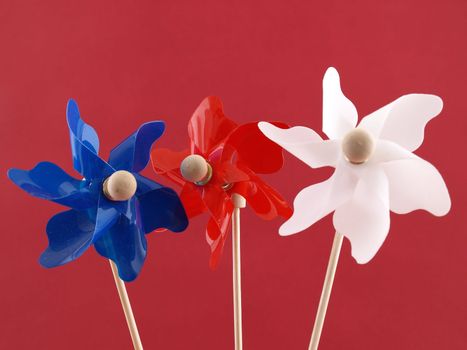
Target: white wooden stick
[[130, 318], [239, 202], [326, 292]]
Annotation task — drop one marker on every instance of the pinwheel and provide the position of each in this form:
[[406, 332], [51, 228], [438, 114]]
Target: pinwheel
[[375, 173], [113, 207], [218, 175]]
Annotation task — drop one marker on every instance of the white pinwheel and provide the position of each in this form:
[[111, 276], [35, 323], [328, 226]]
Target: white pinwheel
[[376, 170]]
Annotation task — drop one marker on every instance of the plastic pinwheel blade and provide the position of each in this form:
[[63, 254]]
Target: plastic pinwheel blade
[[228, 157], [162, 208], [125, 244], [209, 127], [376, 171], [70, 234], [85, 146], [261, 155], [116, 226], [133, 153], [47, 181]]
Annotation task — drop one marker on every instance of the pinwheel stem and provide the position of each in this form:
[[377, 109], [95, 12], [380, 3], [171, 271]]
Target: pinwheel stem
[[130, 318], [239, 202], [326, 292]]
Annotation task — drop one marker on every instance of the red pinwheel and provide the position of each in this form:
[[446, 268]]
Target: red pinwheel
[[224, 159]]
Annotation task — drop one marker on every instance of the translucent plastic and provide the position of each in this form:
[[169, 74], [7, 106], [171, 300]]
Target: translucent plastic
[[386, 123], [361, 195], [316, 201], [364, 218], [339, 113], [85, 146], [305, 144], [48, 181], [117, 229], [236, 154], [416, 184]]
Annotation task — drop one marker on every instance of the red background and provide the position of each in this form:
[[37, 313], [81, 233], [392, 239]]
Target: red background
[[130, 63]]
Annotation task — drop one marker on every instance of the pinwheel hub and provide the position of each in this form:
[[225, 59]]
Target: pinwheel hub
[[120, 186], [196, 169], [358, 146]]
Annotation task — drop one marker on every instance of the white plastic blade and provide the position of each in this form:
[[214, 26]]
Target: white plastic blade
[[316, 201], [364, 219], [305, 144], [416, 184], [339, 113], [403, 120]]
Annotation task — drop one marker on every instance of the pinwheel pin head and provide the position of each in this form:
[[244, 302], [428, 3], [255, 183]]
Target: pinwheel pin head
[[358, 146], [120, 186], [196, 169]]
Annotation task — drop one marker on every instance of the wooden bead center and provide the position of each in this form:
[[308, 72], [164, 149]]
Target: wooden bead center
[[120, 186], [358, 146], [196, 169]]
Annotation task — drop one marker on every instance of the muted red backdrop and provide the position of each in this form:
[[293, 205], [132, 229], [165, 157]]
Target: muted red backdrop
[[127, 63]]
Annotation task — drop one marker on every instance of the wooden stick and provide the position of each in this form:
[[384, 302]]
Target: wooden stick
[[239, 202], [130, 318], [326, 292]]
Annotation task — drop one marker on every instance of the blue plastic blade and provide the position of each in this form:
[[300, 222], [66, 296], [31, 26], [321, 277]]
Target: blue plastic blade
[[145, 185], [126, 208], [134, 152], [85, 146], [125, 245], [48, 181], [107, 215], [70, 233], [83, 132], [162, 208]]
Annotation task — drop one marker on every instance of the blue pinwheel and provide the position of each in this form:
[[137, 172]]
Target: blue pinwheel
[[112, 207]]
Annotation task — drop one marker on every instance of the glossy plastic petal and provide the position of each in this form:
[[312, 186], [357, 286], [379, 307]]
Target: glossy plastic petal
[[126, 208], [220, 207], [216, 235], [305, 144], [248, 145], [364, 219], [145, 185], [48, 181], [388, 151], [190, 196], [134, 152], [339, 113], [229, 173], [316, 201], [167, 163], [82, 131], [416, 184], [265, 201], [217, 202], [70, 233], [107, 215], [84, 146], [403, 121], [209, 127], [125, 244], [162, 208]]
